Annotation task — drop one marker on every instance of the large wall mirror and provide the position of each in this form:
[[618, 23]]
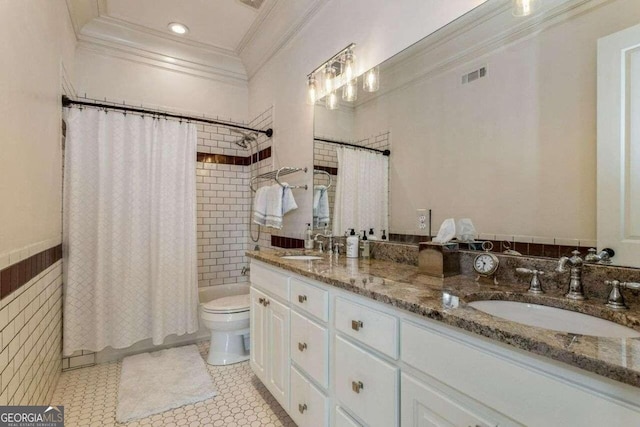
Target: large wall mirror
[[491, 118]]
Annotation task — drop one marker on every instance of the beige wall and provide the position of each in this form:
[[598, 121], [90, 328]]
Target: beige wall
[[37, 38], [516, 150], [379, 27], [102, 76]]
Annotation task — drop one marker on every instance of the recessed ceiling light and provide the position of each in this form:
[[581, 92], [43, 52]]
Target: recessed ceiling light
[[178, 28]]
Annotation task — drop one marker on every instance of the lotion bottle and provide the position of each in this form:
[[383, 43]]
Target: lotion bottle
[[308, 241], [365, 245], [353, 243], [372, 236]]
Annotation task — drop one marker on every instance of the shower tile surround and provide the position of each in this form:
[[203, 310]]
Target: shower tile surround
[[31, 325]]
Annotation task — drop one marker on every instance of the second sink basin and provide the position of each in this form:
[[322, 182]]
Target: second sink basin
[[553, 318], [301, 257]]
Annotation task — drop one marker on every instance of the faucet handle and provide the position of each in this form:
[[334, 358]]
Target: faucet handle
[[535, 287], [616, 300]]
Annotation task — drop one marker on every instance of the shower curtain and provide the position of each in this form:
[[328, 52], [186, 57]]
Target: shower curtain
[[129, 230], [362, 191]]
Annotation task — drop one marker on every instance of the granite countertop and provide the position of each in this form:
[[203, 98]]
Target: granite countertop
[[402, 286]]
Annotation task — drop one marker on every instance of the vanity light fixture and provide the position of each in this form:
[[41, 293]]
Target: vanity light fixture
[[312, 90], [371, 80], [524, 7], [178, 28], [337, 72], [350, 90], [331, 101]]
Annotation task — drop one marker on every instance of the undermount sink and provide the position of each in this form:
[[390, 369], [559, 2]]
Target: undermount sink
[[553, 318], [301, 257]]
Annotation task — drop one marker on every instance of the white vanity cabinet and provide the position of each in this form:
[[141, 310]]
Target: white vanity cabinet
[[349, 361], [270, 319]]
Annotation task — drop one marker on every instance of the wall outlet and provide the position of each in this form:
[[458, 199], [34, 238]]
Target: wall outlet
[[421, 215]]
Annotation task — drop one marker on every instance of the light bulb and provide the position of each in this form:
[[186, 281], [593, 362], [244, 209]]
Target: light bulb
[[524, 7], [329, 77], [331, 101], [178, 28], [371, 80], [350, 90], [312, 90], [349, 66]]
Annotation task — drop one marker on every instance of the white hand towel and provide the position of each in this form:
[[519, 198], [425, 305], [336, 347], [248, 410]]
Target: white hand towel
[[260, 206], [275, 194], [288, 202], [320, 204]]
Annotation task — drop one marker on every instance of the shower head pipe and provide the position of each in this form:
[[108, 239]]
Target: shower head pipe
[[68, 102]]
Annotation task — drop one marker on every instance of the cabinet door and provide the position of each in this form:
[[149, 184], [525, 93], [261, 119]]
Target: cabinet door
[[424, 405], [278, 356], [259, 340]]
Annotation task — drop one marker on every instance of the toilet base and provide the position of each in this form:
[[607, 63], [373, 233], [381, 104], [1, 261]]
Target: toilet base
[[227, 348]]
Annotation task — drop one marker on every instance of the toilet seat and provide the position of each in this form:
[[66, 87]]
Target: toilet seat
[[230, 304]]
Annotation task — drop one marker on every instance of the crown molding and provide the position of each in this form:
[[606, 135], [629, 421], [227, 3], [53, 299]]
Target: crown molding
[[264, 55], [116, 38], [251, 34], [444, 50]]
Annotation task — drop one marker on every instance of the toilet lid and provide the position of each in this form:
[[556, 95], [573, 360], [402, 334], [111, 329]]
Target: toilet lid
[[228, 304]]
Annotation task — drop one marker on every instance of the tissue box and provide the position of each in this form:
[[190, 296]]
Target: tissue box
[[439, 259]]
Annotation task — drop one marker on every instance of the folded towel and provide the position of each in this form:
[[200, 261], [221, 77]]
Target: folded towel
[[320, 204], [275, 195], [260, 206], [288, 202]]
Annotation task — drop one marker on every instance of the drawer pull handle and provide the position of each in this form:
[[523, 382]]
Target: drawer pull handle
[[261, 301], [356, 325], [266, 302], [302, 346], [356, 386], [302, 407], [302, 298]]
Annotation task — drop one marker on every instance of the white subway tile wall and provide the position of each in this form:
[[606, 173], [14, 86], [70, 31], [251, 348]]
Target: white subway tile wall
[[31, 340], [224, 203]]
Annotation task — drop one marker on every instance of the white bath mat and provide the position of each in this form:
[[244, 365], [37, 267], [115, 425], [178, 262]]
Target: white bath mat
[[151, 383]]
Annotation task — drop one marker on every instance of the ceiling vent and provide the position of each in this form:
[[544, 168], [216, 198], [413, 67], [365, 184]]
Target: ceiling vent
[[474, 75], [252, 3]]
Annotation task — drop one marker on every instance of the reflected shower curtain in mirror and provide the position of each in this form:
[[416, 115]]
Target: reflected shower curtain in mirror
[[129, 230], [362, 191]]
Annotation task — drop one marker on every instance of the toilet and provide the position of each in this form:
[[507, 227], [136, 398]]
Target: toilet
[[227, 318]]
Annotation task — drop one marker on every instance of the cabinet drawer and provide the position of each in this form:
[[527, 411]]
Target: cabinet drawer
[[377, 330], [308, 404], [309, 347], [365, 384], [310, 298], [269, 280], [344, 420], [425, 404]]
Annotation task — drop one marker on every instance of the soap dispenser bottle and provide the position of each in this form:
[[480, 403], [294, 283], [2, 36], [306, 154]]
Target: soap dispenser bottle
[[372, 236], [384, 234], [308, 241], [352, 244], [366, 249]]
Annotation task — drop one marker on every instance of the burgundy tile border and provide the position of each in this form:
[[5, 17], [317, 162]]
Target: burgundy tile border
[[224, 159], [329, 169], [18, 274], [527, 249], [286, 242]]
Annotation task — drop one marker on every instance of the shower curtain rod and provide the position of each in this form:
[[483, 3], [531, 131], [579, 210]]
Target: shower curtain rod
[[66, 102], [330, 141]]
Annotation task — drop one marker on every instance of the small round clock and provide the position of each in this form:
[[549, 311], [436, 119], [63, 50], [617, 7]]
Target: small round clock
[[486, 264]]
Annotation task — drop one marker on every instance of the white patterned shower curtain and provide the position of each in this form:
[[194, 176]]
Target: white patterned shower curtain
[[129, 233], [362, 192]]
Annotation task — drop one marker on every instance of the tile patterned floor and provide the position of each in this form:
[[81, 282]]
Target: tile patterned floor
[[90, 397]]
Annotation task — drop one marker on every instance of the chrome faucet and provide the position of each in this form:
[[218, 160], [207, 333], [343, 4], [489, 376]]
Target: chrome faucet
[[602, 257], [576, 291], [616, 300], [329, 239]]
